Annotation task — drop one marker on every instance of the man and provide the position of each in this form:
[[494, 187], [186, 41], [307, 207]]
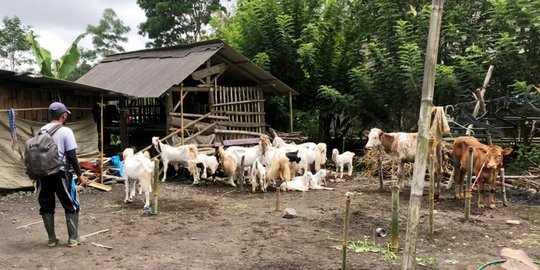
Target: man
[[61, 183]]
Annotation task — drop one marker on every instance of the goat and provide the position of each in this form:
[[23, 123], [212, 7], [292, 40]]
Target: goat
[[258, 174], [228, 164], [279, 169], [137, 168], [317, 179], [309, 153], [208, 164], [341, 159], [185, 155], [299, 183]]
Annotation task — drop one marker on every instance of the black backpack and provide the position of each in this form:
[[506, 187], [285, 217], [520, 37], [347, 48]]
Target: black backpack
[[41, 154]]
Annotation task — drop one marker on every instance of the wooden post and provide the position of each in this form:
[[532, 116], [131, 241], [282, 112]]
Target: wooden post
[[155, 188], [426, 107], [379, 165], [505, 201], [290, 111], [278, 200], [101, 139], [345, 242], [468, 191], [168, 110], [124, 136], [432, 162], [182, 112], [240, 173], [394, 244], [479, 95]]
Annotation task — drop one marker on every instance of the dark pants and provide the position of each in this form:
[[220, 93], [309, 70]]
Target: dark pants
[[63, 186]]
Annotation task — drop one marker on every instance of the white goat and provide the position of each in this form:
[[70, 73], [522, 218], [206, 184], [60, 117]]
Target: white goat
[[309, 153], [210, 164], [317, 179], [137, 168], [258, 174], [341, 159], [186, 155], [299, 183]]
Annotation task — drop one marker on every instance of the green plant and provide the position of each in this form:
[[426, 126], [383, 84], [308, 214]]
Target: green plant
[[526, 157], [368, 246]]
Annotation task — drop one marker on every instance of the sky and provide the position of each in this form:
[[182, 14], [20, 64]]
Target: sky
[[59, 22]]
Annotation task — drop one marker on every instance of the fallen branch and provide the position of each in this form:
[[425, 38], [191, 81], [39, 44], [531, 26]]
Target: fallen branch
[[27, 225], [100, 245], [94, 233]]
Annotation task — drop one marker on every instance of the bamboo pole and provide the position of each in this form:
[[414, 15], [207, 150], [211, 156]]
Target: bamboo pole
[[480, 100], [290, 111], [155, 188], [345, 242], [379, 165], [426, 107], [45, 109], [101, 139], [468, 191], [432, 162], [505, 201], [394, 244]]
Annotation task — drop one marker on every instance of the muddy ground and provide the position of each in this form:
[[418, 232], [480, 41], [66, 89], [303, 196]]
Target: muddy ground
[[217, 227]]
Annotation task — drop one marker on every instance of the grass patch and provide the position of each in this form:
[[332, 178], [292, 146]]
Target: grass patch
[[368, 246]]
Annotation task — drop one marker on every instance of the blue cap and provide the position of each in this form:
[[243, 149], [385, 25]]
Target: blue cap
[[57, 108]]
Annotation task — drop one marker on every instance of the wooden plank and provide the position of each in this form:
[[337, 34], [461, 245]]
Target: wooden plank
[[99, 186], [197, 134], [239, 124], [210, 116], [238, 132], [191, 89], [246, 141], [209, 71]]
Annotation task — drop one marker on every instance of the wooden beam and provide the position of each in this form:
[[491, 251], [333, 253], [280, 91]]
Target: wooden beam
[[101, 140], [209, 71], [168, 108], [200, 115], [238, 124], [243, 113], [176, 132], [238, 102], [290, 111]]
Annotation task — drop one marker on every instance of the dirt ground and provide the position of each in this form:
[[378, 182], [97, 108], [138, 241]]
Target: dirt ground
[[217, 227]]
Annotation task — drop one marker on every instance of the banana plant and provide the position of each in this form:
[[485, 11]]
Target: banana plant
[[60, 69]]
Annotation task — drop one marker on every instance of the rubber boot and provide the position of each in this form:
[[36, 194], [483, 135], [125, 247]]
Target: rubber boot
[[48, 220], [72, 221]]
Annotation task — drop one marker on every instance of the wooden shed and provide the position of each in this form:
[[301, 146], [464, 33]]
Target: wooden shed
[[24, 103], [205, 88]]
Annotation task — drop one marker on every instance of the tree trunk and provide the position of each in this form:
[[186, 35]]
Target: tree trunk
[[426, 107]]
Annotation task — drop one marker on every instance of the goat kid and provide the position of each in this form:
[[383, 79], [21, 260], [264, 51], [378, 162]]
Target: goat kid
[[299, 183], [341, 159], [258, 176]]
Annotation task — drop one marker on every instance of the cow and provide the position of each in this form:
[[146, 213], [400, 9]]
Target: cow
[[398, 146], [487, 162]]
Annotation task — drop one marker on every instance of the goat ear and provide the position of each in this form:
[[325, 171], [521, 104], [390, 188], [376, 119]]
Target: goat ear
[[365, 133], [507, 151]]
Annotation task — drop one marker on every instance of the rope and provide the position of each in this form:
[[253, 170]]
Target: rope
[[12, 128]]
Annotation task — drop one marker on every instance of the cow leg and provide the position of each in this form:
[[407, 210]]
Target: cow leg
[[126, 184], [165, 166], [492, 177], [480, 192]]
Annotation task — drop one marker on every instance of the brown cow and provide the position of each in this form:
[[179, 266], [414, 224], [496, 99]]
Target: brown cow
[[487, 162]]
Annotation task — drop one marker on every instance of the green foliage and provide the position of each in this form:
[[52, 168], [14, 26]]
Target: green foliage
[[171, 22], [13, 45], [526, 157], [359, 64], [109, 32], [61, 68]]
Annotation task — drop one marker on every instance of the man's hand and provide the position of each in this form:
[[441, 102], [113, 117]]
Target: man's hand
[[83, 181]]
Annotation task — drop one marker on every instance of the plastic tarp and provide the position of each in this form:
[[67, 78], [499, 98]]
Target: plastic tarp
[[12, 170]]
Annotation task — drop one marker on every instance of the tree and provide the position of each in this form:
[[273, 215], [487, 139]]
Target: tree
[[59, 69], [109, 32], [13, 45], [170, 22]]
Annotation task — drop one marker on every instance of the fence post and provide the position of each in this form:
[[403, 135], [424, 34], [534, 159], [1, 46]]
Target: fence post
[[432, 161], [155, 188], [505, 201], [346, 231], [395, 218], [468, 191]]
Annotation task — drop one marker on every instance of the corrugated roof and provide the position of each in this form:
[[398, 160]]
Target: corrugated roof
[[52, 83], [151, 72]]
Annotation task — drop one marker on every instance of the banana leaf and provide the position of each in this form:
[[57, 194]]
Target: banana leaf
[[42, 55], [70, 59]]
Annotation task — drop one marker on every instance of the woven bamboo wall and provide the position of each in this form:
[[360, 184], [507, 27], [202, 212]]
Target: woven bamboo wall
[[245, 108]]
